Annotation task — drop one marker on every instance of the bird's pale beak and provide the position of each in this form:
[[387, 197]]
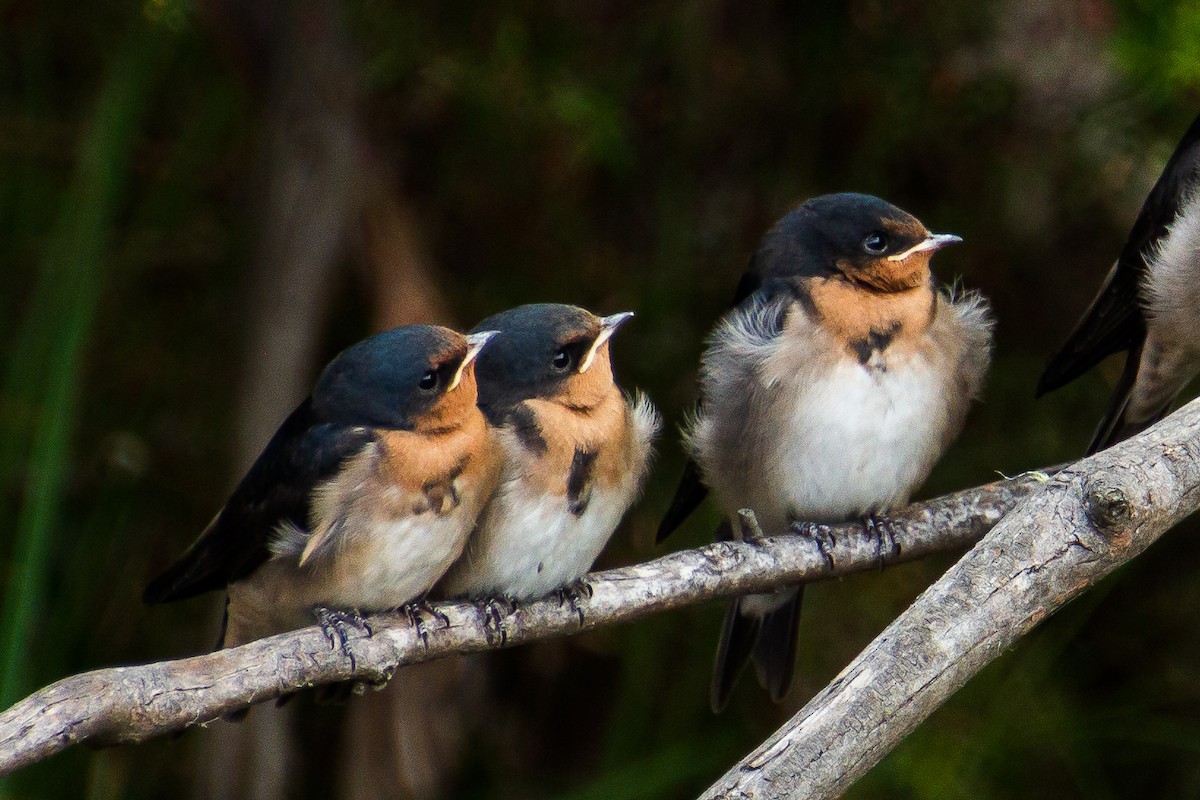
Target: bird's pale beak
[[475, 343], [608, 326], [932, 242]]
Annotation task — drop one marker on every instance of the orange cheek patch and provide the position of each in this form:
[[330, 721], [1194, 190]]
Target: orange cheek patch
[[603, 429], [892, 276], [452, 407], [589, 388]]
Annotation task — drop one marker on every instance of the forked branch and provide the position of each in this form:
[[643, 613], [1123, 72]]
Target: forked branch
[[1089, 519]]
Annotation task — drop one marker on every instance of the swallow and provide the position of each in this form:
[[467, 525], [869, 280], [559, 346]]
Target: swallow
[[827, 393], [1148, 306], [360, 501], [575, 449]]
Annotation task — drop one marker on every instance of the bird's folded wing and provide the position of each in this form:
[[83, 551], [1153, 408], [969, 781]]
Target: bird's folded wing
[[276, 491]]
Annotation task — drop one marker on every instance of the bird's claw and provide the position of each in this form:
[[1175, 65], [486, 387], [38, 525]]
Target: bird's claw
[[822, 537], [338, 623], [573, 595], [495, 610], [882, 531], [416, 611]]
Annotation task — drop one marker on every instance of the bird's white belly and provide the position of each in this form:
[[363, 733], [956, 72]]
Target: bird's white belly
[[856, 440], [404, 558], [535, 544], [389, 563]]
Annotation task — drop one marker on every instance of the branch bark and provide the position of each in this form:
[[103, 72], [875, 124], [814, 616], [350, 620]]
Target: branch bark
[[123, 705], [1089, 519]]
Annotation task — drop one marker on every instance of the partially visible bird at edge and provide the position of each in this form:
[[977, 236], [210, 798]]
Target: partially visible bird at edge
[[1148, 306]]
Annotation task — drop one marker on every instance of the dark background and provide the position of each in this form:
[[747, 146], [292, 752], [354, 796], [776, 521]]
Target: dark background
[[200, 204]]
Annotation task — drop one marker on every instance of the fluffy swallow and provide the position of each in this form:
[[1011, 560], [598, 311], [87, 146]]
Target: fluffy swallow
[[361, 500], [827, 394], [1148, 306], [576, 451]]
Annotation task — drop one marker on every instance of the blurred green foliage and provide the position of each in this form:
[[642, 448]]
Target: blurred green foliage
[[619, 156], [48, 349]]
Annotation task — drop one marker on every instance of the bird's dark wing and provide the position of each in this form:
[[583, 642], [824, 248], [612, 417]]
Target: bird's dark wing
[[688, 495], [303, 452], [750, 283], [1114, 321], [691, 490], [739, 633], [775, 647], [1111, 324], [1114, 427]]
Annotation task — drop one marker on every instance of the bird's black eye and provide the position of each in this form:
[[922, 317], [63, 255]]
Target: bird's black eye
[[429, 381], [562, 360], [875, 243]]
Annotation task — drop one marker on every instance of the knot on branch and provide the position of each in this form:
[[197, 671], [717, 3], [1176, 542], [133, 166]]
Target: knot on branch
[[1108, 507]]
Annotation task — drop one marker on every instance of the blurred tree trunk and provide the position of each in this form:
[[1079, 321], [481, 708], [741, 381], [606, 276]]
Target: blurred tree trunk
[[405, 741], [402, 280], [298, 59], [320, 203]]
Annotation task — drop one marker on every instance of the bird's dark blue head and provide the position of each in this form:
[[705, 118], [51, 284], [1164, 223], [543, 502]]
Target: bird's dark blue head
[[853, 237], [405, 379], [549, 351]]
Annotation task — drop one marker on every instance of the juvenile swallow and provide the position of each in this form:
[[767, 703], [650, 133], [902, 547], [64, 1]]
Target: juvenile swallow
[[1148, 306], [827, 394], [576, 451], [361, 500]]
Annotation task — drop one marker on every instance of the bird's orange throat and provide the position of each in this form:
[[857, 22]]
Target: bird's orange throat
[[587, 389], [851, 313], [452, 408]]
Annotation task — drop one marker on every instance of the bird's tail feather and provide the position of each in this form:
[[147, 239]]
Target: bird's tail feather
[[775, 650], [1114, 426], [738, 637]]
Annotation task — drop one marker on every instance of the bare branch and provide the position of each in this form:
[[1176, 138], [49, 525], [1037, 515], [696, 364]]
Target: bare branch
[[132, 704], [1091, 518]]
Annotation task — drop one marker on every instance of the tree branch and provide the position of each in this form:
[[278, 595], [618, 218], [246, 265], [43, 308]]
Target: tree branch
[[131, 704], [1090, 518]]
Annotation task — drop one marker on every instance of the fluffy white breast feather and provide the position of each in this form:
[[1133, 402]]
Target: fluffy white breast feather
[[795, 426], [527, 543], [1171, 355]]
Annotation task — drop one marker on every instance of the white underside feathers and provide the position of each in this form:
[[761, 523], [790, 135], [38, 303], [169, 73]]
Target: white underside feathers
[[529, 543], [1171, 355], [795, 427]]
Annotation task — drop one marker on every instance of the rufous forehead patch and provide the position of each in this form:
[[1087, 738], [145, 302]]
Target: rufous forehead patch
[[574, 335], [452, 350], [905, 227]]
